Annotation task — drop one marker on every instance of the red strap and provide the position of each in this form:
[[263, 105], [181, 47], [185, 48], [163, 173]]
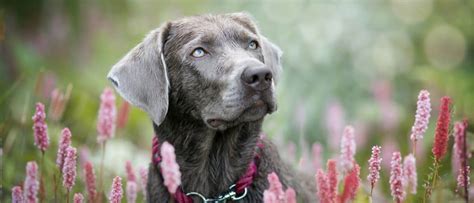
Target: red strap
[[245, 181]]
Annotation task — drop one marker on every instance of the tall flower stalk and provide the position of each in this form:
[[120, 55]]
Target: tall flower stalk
[[348, 149], [105, 126], [89, 175], [409, 173], [17, 195], [31, 184], [422, 117], [351, 184], [332, 179], [322, 186], [143, 172], [116, 192], [69, 170], [460, 152], [374, 167], [440, 145], [64, 143], [40, 132], [396, 178], [169, 168]]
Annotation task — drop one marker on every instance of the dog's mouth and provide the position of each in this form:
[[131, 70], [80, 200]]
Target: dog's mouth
[[256, 111]]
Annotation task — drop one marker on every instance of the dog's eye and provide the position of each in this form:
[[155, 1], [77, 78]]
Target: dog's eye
[[198, 52], [253, 45]]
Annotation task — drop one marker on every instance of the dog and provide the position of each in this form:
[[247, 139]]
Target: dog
[[207, 82]]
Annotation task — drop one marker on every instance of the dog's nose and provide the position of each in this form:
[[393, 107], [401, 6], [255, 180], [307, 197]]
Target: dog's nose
[[259, 78]]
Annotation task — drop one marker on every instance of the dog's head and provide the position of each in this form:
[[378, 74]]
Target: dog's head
[[216, 68]]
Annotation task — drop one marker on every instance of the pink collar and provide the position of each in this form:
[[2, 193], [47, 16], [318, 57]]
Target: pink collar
[[236, 191]]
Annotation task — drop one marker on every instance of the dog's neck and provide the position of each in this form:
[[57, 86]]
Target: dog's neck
[[210, 160]]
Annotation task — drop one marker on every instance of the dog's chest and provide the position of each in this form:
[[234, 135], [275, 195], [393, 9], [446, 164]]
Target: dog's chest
[[214, 176]]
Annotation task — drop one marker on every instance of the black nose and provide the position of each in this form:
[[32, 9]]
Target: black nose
[[259, 78]]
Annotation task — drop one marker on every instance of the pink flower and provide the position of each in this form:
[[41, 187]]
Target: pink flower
[[332, 179], [64, 143], [422, 117], [17, 195], [130, 171], [122, 116], [348, 149], [78, 198], [374, 166], [317, 158], [116, 193], [107, 115], [31, 185], [290, 195], [69, 168], [396, 178], [409, 173], [460, 154], [84, 155], [458, 146], [351, 184], [169, 168], [275, 186], [334, 123], [440, 145], [269, 197], [58, 102], [40, 128], [143, 172], [90, 180], [463, 177], [322, 184], [132, 190]]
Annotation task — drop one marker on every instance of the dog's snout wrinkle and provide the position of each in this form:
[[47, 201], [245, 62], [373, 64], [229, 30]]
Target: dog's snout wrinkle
[[258, 78]]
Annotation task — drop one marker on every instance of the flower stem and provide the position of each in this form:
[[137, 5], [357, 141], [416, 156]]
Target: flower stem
[[429, 188], [414, 148], [42, 188], [101, 173], [67, 196], [56, 179]]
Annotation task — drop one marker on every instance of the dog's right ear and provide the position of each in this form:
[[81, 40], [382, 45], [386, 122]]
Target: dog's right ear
[[141, 78]]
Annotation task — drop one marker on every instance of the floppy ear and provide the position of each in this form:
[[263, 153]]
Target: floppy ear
[[140, 77], [272, 56]]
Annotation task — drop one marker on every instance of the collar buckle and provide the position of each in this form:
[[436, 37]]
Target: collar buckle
[[230, 194]]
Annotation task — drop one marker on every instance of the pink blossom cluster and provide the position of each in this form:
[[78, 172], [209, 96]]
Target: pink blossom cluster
[[374, 166], [351, 184], [64, 143], [396, 178], [143, 172], [107, 116], [275, 192], [409, 173], [40, 128], [348, 149], [69, 168], [78, 198], [132, 187], [116, 192], [17, 195], [90, 181], [422, 116], [31, 184], [169, 168]]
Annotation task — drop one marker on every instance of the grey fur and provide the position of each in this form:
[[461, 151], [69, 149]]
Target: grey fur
[[211, 155]]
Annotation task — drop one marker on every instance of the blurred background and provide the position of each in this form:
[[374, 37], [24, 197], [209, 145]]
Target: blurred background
[[359, 63]]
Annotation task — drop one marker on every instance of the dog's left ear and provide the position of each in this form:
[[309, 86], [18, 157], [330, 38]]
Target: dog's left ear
[[272, 56], [141, 77]]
